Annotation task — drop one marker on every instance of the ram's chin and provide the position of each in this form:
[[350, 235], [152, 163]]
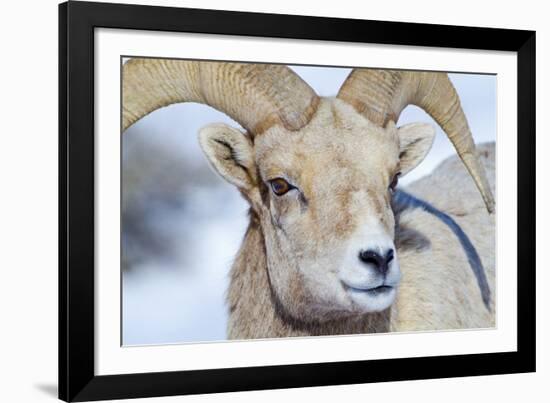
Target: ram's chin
[[373, 300]]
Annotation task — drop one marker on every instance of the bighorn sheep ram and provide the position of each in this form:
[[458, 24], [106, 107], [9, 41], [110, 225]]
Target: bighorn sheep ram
[[332, 246]]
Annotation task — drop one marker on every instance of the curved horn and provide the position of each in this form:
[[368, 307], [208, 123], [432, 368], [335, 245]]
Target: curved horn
[[257, 96], [381, 95]]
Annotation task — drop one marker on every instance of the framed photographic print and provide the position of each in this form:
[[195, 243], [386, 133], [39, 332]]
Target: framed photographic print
[[259, 201]]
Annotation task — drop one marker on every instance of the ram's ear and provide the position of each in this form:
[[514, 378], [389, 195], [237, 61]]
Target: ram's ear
[[415, 140], [230, 152]]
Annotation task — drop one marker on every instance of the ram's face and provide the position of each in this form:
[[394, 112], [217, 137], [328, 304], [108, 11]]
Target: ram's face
[[323, 198]]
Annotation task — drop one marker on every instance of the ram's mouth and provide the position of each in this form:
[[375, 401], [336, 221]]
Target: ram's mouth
[[381, 289], [371, 299]]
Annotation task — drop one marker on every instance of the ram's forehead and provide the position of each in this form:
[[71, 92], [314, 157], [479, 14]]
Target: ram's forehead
[[336, 132]]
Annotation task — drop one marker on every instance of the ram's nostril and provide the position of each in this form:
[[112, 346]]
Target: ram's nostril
[[381, 263], [389, 256], [370, 257]]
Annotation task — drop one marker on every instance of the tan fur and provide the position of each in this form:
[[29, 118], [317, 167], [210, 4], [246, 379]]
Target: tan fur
[[451, 297], [285, 280]]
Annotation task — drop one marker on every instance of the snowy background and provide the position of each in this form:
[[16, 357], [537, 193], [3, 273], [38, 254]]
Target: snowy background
[[182, 224]]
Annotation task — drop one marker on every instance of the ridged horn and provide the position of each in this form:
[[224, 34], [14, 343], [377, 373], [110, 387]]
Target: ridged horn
[[257, 96], [381, 95]]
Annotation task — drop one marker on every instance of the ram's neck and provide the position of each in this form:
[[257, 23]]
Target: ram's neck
[[253, 313]]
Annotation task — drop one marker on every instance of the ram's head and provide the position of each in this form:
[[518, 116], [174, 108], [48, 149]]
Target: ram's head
[[318, 172]]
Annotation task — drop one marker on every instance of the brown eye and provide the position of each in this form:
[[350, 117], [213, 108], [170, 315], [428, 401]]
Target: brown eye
[[280, 186], [394, 181]]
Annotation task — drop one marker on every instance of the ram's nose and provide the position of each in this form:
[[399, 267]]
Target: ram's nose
[[380, 262]]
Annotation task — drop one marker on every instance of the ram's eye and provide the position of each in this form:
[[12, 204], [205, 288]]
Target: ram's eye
[[280, 186], [394, 181]]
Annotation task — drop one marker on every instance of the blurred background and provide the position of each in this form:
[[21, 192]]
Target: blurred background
[[182, 224]]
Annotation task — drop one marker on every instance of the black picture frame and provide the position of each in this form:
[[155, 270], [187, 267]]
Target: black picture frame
[[77, 379]]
